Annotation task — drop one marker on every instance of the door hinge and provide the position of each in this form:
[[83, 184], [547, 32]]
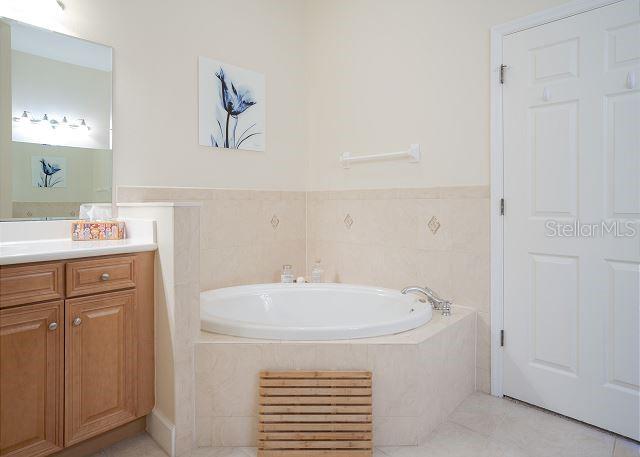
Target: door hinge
[[502, 69], [501, 338], [502, 207]]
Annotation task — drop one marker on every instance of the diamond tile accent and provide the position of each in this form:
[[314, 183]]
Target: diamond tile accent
[[433, 224], [348, 221], [275, 222]]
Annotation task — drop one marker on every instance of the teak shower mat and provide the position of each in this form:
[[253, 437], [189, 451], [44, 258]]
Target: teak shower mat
[[315, 413]]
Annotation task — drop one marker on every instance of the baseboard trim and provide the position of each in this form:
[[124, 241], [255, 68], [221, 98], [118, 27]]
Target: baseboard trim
[[162, 431], [95, 444]]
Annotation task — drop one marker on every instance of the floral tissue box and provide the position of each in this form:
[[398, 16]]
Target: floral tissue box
[[97, 230]]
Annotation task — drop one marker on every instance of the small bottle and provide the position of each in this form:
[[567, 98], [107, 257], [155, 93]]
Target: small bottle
[[287, 275], [316, 272]]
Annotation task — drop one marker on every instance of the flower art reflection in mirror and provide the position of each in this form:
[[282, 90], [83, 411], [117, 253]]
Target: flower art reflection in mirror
[[231, 106], [48, 171]]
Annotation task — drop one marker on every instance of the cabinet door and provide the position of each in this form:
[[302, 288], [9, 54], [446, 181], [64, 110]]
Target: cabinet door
[[100, 385], [31, 379]]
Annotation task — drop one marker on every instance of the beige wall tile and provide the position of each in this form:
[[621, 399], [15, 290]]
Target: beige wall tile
[[186, 244], [434, 270], [483, 343], [470, 275], [414, 384], [459, 363], [327, 253], [441, 240], [432, 356], [341, 357], [204, 427], [238, 242], [398, 383], [289, 356], [483, 380], [272, 256], [470, 227], [232, 384]]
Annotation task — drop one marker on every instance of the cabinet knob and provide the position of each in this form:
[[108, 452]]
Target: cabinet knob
[[105, 276], [53, 326], [77, 321]]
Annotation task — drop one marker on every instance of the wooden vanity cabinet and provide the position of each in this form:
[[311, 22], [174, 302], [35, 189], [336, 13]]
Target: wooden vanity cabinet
[[31, 379], [74, 369], [101, 361]]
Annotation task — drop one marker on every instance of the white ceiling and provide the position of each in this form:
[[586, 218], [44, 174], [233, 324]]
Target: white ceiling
[[56, 46]]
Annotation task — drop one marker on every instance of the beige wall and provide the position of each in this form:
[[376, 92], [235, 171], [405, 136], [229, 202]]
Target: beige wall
[[155, 104], [384, 74]]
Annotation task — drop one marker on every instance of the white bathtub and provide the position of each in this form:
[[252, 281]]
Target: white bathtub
[[310, 311]]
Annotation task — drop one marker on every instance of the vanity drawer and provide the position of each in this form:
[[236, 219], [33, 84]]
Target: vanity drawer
[[100, 275], [31, 283]]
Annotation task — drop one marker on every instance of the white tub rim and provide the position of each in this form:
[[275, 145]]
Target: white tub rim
[[264, 331]]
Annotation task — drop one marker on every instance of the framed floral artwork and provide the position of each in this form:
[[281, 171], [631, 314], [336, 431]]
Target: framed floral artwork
[[231, 106]]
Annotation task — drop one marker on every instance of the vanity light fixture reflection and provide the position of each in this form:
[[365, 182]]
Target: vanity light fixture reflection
[[26, 117]]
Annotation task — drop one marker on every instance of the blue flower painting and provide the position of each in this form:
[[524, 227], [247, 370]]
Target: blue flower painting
[[48, 171], [231, 106]]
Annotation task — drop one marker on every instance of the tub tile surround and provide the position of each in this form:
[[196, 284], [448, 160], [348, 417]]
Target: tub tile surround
[[419, 378], [240, 241], [388, 243]]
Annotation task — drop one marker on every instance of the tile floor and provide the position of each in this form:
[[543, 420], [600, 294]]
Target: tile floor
[[482, 426]]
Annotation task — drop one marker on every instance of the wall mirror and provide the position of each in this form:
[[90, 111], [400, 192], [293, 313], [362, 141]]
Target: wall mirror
[[55, 115]]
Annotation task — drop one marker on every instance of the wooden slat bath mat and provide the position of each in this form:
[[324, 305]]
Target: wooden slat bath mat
[[315, 413]]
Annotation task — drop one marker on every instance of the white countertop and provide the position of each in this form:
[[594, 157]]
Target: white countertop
[[39, 251], [141, 238]]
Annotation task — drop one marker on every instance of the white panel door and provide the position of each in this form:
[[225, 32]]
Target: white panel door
[[572, 164]]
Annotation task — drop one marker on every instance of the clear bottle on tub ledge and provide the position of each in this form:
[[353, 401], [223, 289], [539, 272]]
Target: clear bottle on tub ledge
[[316, 272], [287, 274]]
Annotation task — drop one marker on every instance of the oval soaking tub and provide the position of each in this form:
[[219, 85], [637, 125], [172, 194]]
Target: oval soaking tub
[[310, 311]]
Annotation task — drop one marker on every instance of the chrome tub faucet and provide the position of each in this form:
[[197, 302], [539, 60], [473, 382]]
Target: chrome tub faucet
[[433, 298]]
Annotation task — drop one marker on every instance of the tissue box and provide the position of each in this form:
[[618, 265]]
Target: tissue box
[[97, 230]]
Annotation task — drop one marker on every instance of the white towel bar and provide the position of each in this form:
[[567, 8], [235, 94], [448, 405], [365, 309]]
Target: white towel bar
[[413, 154]]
